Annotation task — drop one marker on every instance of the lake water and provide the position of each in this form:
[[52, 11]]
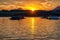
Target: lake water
[[30, 28]]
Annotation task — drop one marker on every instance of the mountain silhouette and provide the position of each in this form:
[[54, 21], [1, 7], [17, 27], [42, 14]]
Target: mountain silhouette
[[21, 12], [57, 9]]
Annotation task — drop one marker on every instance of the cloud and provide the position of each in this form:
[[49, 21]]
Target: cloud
[[14, 4]]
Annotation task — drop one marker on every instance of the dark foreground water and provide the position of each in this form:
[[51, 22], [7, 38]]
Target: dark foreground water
[[30, 28]]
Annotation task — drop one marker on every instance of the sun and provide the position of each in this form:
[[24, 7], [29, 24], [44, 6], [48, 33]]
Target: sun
[[32, 9]]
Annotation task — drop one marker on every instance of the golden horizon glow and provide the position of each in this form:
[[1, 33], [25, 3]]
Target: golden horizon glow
[[35, 6], [32, 8]]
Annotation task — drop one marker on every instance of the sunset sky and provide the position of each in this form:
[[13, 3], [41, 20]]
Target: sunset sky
[[29, 4]]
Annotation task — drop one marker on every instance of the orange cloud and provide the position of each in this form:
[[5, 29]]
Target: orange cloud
[[37, 5]]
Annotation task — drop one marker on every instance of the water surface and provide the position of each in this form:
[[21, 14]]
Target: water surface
[[29, 28]]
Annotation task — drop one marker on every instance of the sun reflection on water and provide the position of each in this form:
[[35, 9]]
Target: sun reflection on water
[[33, 25]]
